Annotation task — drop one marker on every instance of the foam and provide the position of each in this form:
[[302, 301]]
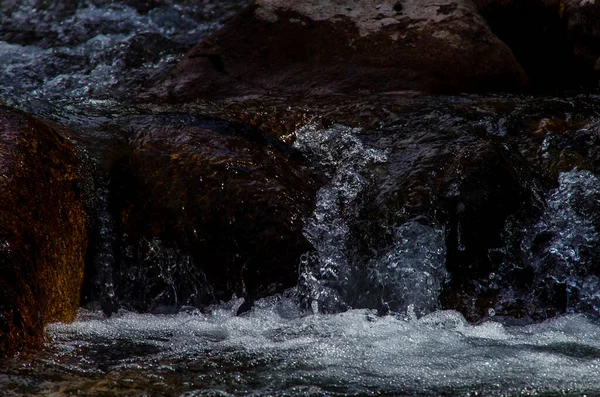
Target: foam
[[352, 352]]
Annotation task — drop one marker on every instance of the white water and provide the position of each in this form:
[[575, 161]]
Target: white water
[[274, 351], [568, 257]]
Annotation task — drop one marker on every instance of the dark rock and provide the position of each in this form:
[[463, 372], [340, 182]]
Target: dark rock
[[556, 42], [43, 229], [206, 209], [471, 187], [485, 193], [143, 48], [583, 27], [313, 48]]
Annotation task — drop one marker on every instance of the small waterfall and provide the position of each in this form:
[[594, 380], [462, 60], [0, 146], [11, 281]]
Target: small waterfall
[[410, 274], [102, 289], [326, 272], [406, 276]]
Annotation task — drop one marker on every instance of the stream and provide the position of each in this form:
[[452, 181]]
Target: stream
[[365, 318]]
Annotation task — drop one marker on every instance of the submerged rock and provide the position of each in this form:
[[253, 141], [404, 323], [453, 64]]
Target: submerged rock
[[355, 47], [206, 209], [43, 229]]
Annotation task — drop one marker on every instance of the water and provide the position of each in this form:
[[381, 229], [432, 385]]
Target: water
[[313, 340], [409, 272], [273, 350], [564, 240], [54, 50], [367, 316]]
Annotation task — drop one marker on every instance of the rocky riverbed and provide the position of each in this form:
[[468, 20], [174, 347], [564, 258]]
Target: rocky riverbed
[[246, 198]]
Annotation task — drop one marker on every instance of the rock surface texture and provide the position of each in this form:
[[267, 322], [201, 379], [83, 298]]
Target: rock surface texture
[[43, 230], [354, 47], [206, 209]]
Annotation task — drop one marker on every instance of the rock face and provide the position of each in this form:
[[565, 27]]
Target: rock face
[[583, 26], [206, 209], [454, 180], [486, 206], [356, 47], [556, 42], [43, 230]]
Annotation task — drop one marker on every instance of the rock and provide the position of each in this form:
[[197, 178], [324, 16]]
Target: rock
[[556, 42], [486, 197], [206, 209], [43, 229], [583, 26], [472, 189], [356, 47]]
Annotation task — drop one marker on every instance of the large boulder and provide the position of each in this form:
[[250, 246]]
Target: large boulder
[[205, 209], [275, 47], [43, 228]]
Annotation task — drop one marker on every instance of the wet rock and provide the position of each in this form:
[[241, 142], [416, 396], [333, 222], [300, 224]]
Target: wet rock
[[355, 48], [487, 196], [143, 48], [43, 228], [472, 188], [206, 209], [584, 31]]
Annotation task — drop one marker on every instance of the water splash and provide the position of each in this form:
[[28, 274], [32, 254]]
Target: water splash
[[262, 353], [411, 273], [563, 248], [407, 274], [327, 270]]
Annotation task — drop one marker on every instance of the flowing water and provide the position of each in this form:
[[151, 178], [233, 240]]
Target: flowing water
[[273, 350], [365, 317]]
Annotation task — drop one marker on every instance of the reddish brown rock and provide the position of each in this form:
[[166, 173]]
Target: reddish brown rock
[[43, 230], [275, 47]]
